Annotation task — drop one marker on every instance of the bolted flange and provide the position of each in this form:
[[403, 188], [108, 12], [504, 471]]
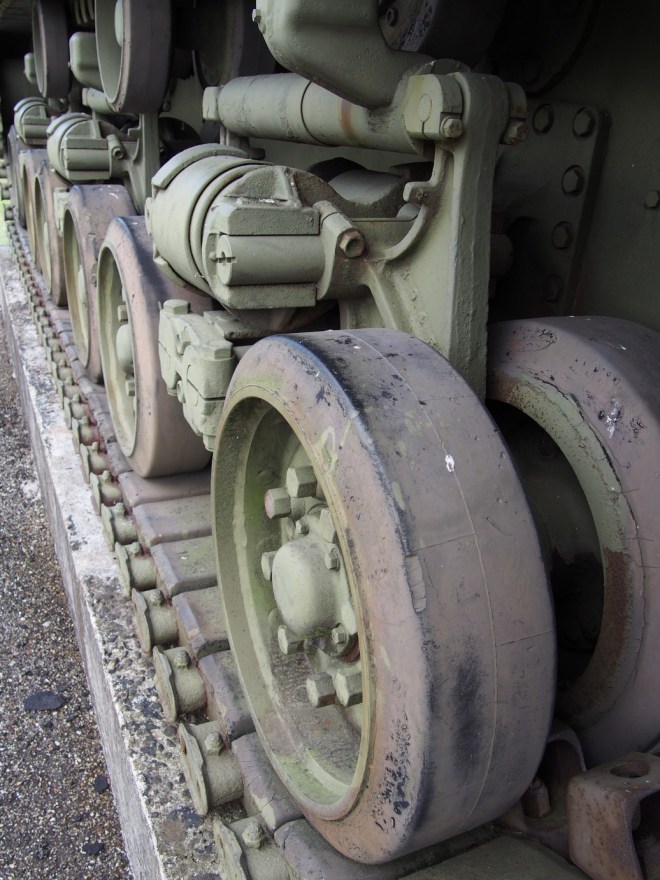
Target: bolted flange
[[136, 568], [155, 620], [118, 528], [212, 772], [179, 684]]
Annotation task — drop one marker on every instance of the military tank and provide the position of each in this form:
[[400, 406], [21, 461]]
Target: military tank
[[381, 275]]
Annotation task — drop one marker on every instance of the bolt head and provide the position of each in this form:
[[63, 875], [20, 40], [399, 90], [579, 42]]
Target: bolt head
[[302, 526], [516, 132], [652, 200], [451, 127], [267, 560], [332, 560], [553, 288], [573, 181], [348, 686], [300, 481], [288, 641], [584, 123], [352, 244], [544, 118], [320, 690], [338, 635], [562, 236], [392, 16], [327, 526], [277, 503]]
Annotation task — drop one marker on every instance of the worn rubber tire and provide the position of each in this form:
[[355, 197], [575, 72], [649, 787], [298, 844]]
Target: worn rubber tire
[[593, 384], [89, 211], [51, 48], [454, 618], [14, 147], [135, 74], [156, 440], [49, 241], [30, 162]]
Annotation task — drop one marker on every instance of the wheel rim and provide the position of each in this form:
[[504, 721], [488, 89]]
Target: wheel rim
[[133, 41], [51, 48], [41, 232], [28, 203], [117, 355], [590, 385], [372, 775], [291, 628], [76, 288], [89, 212], [151, 429]]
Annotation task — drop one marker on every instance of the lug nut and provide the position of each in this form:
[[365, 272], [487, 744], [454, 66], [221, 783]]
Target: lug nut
[[288, 641], [327, 526], [348, 686], [300, 482], [277, 503], [267, 564], [321, 690], [339, 636], [302, 526], [332, 560]]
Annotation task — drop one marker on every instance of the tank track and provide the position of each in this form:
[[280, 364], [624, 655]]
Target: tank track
[[160, 531]]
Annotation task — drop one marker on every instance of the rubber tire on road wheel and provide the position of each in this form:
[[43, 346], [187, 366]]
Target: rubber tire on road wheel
[[154, 437], [48, 239], [455, 626], [14, 147], [90, 209], [30, 162], [135, 74], [593, 384], [50, 35]]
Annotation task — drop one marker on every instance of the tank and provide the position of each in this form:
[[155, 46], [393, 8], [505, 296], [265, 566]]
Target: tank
[[381, 275]]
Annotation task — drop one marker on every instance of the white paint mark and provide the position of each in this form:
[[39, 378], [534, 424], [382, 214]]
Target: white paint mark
[[449, 461], [612, 416]]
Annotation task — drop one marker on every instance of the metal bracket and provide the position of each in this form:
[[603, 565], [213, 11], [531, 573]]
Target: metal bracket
[[434, 282], [614, 819], [544, 197], [197, 362]]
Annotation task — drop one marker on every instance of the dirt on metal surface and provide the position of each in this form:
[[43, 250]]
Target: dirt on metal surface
[[58, 817]]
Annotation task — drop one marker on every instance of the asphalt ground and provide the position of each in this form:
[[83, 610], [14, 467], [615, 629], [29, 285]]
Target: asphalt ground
[[57, 816]]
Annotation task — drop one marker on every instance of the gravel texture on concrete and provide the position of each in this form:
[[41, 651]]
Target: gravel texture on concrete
[[57, 817]]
